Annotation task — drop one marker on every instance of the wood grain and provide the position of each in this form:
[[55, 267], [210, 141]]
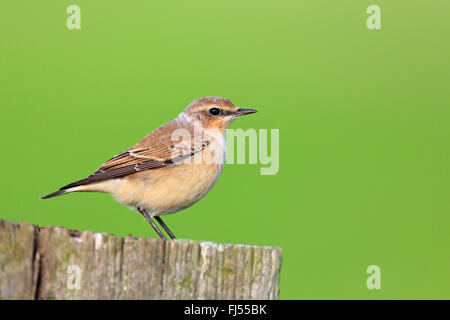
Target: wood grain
[[57, 263]]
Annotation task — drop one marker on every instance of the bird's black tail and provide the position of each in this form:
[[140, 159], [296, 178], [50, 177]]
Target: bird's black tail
[[68, 189], [56, 193]]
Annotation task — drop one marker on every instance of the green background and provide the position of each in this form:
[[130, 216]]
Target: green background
[[363, 118]]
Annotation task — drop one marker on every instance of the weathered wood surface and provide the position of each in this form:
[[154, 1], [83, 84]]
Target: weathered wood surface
[[56, 263]]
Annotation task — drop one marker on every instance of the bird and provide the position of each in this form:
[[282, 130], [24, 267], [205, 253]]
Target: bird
[[172, 167]]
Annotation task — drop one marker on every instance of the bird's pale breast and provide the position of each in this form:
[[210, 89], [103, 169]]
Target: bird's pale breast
[[169, 189]]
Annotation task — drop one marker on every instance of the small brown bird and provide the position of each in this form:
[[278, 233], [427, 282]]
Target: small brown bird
[[172, 168]]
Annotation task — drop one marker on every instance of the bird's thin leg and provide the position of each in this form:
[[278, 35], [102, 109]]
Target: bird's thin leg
[[157, 218], [150, 220]]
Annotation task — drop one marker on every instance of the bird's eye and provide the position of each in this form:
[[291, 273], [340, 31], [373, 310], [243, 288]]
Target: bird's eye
[[214, 111]]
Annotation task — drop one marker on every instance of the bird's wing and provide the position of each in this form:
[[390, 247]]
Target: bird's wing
[[137, 159]]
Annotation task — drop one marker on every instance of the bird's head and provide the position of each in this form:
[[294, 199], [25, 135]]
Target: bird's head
[[213, 112]]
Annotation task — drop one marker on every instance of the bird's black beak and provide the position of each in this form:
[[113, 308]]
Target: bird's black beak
[[242, 111]]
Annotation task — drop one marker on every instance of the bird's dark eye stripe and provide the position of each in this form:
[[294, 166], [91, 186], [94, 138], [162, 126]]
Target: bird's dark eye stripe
[[214, 111]]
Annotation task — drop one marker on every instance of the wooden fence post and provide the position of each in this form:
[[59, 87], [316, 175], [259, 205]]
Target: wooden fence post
[[57, 263]]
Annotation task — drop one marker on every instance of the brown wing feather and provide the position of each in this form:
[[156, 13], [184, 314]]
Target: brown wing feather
[[142, 158]]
